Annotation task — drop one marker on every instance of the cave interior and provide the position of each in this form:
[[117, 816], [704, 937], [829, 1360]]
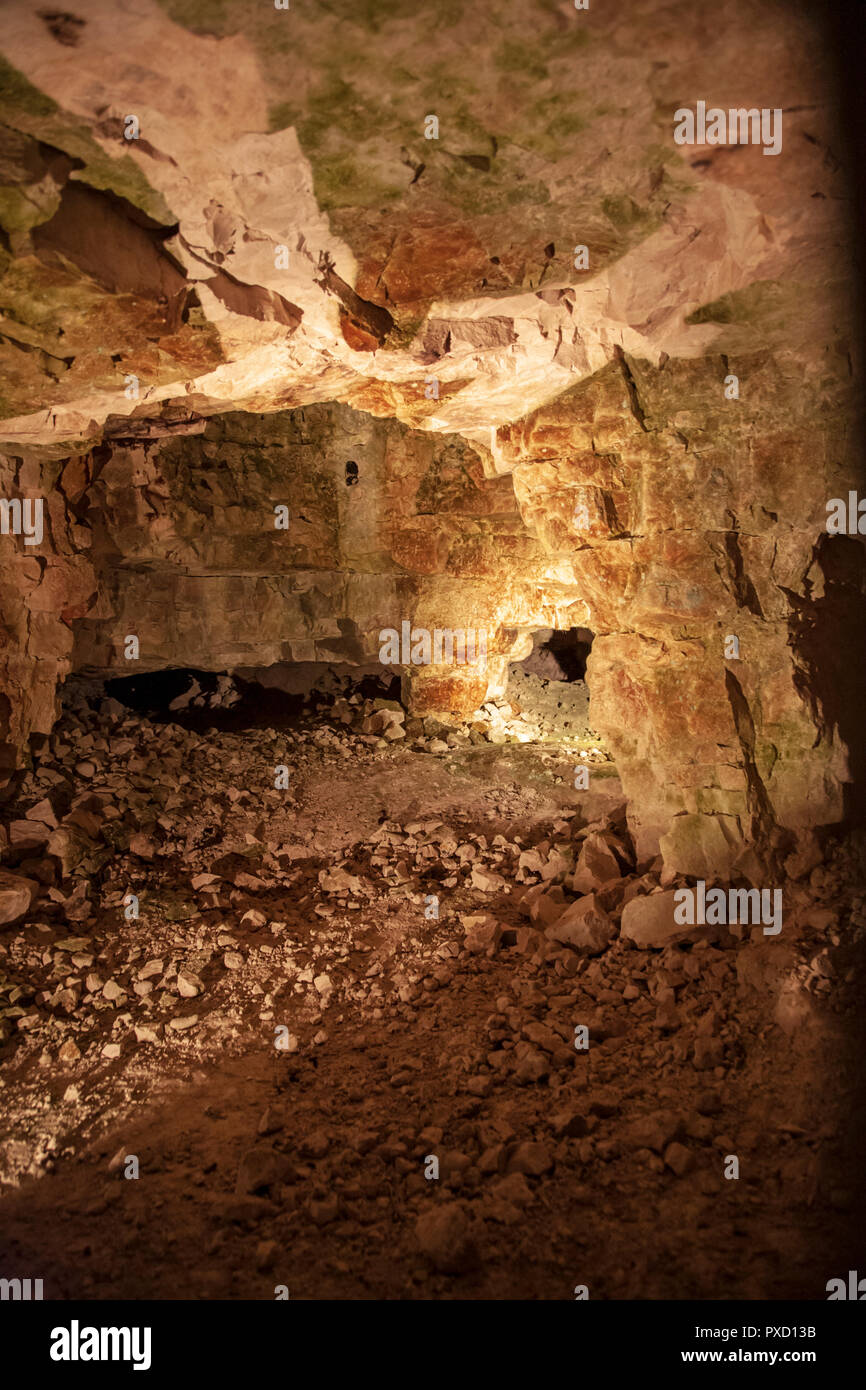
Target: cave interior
[[424, 654]]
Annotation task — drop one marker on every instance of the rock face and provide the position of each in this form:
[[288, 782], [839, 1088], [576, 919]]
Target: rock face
[[584, 926], [650, 922], [261, 302], [16, 895]]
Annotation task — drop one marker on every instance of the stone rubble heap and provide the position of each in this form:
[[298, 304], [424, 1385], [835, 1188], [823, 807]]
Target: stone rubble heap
[[248, 920], [535, 717]]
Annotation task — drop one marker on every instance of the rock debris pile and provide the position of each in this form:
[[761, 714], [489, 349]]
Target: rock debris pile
[[486, 980]]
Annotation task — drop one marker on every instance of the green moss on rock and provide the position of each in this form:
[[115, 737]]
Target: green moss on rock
[[743, 306], [29, 111]]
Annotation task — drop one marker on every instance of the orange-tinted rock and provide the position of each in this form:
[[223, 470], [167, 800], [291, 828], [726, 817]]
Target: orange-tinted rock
[[356, 335], [457, 693]]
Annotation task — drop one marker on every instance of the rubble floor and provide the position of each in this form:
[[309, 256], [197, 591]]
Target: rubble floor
[[305, 915]]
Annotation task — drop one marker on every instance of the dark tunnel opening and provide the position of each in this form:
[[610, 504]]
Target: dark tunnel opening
[[201, 700], [559, 655]]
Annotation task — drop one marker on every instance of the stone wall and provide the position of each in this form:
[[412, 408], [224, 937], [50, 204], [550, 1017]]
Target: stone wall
[[598, 511], [705, 520]]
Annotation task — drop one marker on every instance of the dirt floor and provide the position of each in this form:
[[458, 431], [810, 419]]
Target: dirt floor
[[336, 985]]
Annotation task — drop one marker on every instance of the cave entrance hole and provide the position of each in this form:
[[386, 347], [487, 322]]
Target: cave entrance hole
[[278, 698], [559, 655], [549, 684]]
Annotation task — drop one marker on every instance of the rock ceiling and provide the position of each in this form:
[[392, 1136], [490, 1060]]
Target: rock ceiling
[[404, 258]]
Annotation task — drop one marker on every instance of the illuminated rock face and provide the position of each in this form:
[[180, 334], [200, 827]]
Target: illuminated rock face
[[190, 553], [282, 277], [701, 526]]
